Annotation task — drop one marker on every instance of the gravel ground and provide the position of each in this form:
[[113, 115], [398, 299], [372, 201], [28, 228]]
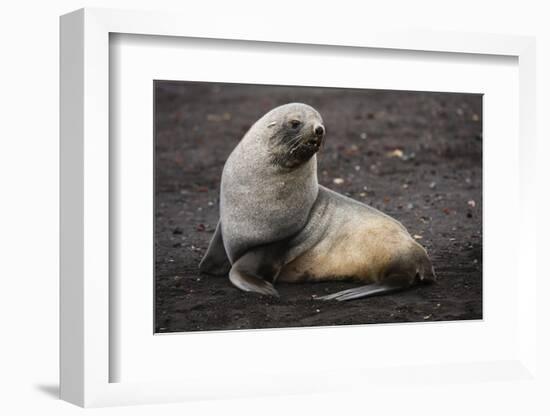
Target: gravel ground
[[416, 156]]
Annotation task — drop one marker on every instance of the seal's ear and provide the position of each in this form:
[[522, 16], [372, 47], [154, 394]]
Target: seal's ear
[[272, 124]]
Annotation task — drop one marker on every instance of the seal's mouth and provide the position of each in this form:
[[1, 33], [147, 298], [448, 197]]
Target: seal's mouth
[[315, 142], [307, 147], [312, 146]]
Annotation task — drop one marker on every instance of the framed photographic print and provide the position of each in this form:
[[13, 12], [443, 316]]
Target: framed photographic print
[[291, 212], [416, 156]]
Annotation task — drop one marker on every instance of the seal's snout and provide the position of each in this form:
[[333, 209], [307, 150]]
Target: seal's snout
[[319, 131]]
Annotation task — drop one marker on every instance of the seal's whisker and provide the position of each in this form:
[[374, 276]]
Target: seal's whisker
[[295, 140], [295, 143]]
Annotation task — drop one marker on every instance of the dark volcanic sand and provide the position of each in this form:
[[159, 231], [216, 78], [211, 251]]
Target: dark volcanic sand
[[427, 188]]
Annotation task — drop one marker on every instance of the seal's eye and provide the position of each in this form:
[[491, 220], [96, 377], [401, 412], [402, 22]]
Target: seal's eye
[[295, 124]]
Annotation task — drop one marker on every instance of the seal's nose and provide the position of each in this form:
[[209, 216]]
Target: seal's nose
[[319, 131]]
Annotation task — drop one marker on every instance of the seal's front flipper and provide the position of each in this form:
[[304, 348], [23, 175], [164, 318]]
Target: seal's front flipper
[[215, 261], [365, 291], [256, 269], [250, 283]]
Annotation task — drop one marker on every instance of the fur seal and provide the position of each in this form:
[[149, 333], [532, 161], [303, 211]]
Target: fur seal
[[277, 222]]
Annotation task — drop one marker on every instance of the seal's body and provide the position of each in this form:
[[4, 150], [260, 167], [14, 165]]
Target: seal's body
[[277, 222]]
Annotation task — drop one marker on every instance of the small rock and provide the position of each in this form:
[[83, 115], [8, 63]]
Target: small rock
[[410, 156], [395, 153], [417, 237], [432, 185], [427, 317], [475, 117], [357, 167], [216, 118], [317, 310], [405, 185], [410, 206], [338, 181], [353, 150], [472, 203], [363, 136]]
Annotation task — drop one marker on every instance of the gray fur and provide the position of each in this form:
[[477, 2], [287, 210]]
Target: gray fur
[[263, 201]]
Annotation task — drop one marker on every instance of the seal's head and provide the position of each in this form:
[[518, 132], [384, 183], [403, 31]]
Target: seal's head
[[295, 134]]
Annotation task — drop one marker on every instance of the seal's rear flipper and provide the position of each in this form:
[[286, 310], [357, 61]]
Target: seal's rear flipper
[[365, 291], [215, 261]]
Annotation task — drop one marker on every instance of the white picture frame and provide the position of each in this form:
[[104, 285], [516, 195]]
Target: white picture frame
[[85, 353]]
